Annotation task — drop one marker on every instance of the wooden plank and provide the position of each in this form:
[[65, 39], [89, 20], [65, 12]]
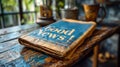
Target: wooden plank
[[11, 55], [17, 28], [118, 60], [8, 45], [14, 58], [19, 31], [10, 36], [96, 52]]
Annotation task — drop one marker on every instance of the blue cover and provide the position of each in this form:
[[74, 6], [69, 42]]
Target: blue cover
[[61, 32]]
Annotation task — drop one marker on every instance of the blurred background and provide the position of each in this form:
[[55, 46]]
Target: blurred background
[[19, 12]]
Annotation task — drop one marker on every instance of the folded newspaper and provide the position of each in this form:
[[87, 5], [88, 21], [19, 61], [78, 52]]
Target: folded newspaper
[[59, 39]]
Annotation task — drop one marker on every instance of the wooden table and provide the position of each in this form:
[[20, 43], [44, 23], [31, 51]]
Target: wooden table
[[14, 54]]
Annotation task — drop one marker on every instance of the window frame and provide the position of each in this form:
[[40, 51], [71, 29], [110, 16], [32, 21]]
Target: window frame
[[20, 12]]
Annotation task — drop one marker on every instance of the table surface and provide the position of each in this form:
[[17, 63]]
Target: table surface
[[14, 54]]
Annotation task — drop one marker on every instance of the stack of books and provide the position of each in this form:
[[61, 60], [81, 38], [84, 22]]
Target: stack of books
[[60, 39]]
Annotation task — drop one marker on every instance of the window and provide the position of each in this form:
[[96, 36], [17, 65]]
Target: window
[[17, 12], [28, 5], [29, 18], [10, 6], [0, 23], [28, 11], [0, 18], [0, 9], [11, 20]]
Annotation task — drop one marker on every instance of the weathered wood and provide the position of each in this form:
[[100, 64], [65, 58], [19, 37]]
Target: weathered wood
[[7, 45], [99, 35], [10, 36], [14, 32], [17, 29], [30, 56], [118, 60], [95, 58], [12, 57]]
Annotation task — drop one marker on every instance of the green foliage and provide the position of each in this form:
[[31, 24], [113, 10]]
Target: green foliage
[[60, 4], [28, 18], [0, 22], [28, 3], [9, 5]]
